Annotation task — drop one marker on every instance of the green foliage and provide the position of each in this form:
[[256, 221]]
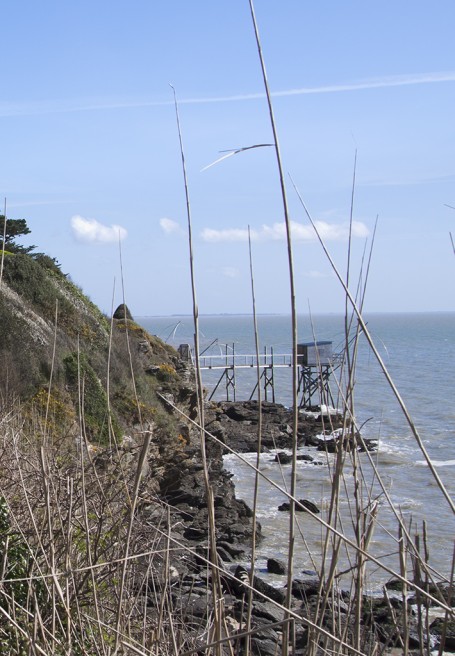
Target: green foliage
[[40, 281], [14, 228], [48, 262], [79, 373], [31, 281], [17, 556], [58, 409], [166, 372], [22, 361], [132, 410], [17, 588], [92, 309]]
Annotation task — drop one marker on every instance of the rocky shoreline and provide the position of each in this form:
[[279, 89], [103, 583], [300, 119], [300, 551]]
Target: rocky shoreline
[[101, 468], [235, 425]]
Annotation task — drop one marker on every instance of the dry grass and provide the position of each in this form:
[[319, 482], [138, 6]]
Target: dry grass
[[88, 552]]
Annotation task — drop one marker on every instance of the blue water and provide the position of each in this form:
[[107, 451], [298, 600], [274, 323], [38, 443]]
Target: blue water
[[419, 352]]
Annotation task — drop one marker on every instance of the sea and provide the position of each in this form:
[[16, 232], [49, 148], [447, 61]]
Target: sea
[[418, 350]]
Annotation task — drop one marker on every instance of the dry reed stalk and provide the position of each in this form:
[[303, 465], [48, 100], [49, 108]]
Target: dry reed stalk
[[70, 489], [291, 538], [130, 358], [20, 630], [3, 246], [108, 376], [89, 546], [45, 474], [384, 491], [295, 615], [162, 604], [134, 499], [216, 584], [258, 451], [133, 556], [379, 359], [450, 596], [357, 309], [403, 571], [350, 543], [359, 529], [418, 439], [326, 591], [51, 374]]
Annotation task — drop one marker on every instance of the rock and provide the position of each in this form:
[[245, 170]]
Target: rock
[[122, 312], [336, 440], [241, 412], [394, 584], [234, 552], [305, 457], [283, 458], [442, 591], [236, 584], [303, 505], [368, 445], [263, 647], [193, 605], [235, 423], [224, 554], [263, 590], [329, 446], [194, 533], [265, 611], [377, 616], [304, 590], [275, 566], [268, 591], [444, 631], [308, 505]]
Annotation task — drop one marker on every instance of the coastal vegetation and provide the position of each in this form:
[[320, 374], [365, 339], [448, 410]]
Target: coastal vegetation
[[119, 535], [120, 532]]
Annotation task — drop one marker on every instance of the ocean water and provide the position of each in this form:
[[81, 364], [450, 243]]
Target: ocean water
[[419, 352]]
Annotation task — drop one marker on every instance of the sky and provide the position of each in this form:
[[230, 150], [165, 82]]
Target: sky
[[90, 151]]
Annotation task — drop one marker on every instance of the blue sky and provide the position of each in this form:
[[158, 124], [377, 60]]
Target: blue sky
[[90, 149]]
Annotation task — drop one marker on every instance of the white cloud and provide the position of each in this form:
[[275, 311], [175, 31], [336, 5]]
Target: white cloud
[[299, 232], [170, 227], [228, 234], [92, 231]]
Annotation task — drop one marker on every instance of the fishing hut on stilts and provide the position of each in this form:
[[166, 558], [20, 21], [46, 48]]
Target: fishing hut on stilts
[[315, 364], [315, 360]]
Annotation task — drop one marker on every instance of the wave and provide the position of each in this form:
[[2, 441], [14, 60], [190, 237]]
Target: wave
[[436, 463]]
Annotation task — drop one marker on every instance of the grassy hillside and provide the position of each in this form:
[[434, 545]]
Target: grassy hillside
[[57, 348]]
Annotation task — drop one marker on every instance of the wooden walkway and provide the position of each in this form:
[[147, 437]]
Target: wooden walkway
[[313, 380]]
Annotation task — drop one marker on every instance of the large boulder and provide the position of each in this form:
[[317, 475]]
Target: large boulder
[[122, 312]]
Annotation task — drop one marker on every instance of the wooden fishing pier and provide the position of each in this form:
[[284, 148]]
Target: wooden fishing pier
[[315, 362]]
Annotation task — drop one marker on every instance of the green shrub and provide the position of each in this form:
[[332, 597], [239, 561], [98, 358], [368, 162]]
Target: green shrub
[[30, 280], [95, 405], [49, 263], [18, 591]]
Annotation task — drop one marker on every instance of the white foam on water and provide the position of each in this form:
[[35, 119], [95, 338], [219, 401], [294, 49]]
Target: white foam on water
[[436, 463]]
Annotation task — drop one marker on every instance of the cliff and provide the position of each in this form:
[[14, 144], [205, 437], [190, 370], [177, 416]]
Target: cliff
[[53, 340], [96, 427]]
